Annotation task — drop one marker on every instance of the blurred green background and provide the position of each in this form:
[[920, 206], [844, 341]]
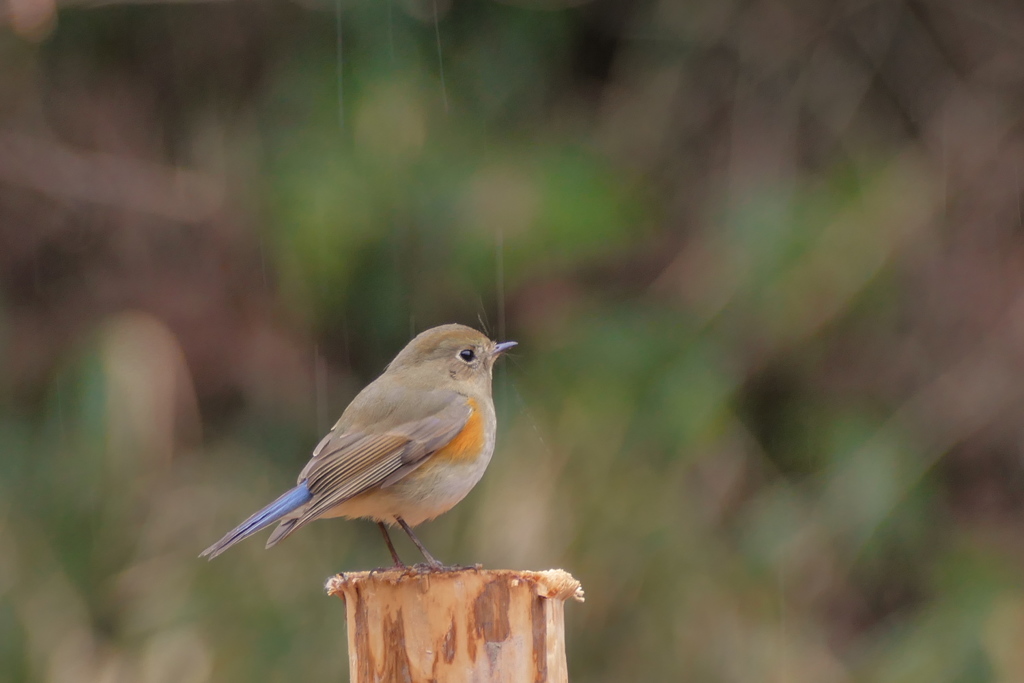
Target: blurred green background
[[765, 261]]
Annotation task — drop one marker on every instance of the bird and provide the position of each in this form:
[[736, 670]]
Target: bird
[[407, 448]]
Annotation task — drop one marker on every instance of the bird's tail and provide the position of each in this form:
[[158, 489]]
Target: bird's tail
[[287, 502]]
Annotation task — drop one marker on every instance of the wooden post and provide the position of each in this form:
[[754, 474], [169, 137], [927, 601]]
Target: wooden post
[[456, 626]]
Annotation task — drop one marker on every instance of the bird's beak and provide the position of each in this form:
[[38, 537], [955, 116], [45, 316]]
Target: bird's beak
[[502, 348]]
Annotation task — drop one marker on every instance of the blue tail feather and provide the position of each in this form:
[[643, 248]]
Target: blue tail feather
[[285, 503]]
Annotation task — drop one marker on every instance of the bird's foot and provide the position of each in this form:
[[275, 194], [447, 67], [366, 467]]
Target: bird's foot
[[389, 568], [427, 568]]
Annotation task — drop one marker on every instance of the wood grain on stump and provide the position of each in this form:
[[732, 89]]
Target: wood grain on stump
[[456, 626]]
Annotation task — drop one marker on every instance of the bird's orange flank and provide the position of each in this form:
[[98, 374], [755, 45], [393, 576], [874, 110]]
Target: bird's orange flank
[[468, 443]]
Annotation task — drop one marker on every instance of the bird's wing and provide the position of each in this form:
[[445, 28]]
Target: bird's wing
[[347, 463]]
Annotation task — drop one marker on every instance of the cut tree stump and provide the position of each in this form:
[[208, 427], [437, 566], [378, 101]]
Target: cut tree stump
[[456, 626]]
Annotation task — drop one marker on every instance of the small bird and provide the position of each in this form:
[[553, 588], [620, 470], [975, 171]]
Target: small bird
[[409, 446]]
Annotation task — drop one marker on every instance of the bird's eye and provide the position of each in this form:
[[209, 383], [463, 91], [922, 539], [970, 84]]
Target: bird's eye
[[467, 355]]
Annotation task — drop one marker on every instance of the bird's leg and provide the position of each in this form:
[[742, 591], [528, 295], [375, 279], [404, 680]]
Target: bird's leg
[[430, 558], [391, 547]]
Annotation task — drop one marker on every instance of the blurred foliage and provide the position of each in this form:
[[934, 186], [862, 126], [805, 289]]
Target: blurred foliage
[[763, 260]]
